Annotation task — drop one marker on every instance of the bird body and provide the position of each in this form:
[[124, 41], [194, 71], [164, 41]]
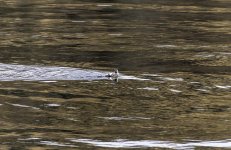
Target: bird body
[[115, 74]]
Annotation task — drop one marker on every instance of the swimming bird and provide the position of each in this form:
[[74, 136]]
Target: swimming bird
[[115, 74]]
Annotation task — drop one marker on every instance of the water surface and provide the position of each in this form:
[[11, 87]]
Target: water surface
[[177, 54]]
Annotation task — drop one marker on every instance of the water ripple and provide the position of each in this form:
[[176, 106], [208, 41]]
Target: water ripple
[[53, 105], [125, 118], [22, 106], [149, 88], [223, 87], [123, 143], [171, 79], [52, 143]]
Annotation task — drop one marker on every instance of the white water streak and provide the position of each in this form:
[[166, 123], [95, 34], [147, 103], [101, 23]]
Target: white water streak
[[14, 72], [123, 143]]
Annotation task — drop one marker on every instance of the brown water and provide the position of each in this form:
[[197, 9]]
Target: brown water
[[177, 55]]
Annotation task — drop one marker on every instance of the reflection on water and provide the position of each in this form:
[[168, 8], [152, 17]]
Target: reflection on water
[[11, 72], [121, 143], [174, 88]]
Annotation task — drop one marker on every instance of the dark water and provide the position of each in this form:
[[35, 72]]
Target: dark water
[[177, 53]]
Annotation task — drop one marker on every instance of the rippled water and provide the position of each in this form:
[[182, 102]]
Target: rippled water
[[174, 91]]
